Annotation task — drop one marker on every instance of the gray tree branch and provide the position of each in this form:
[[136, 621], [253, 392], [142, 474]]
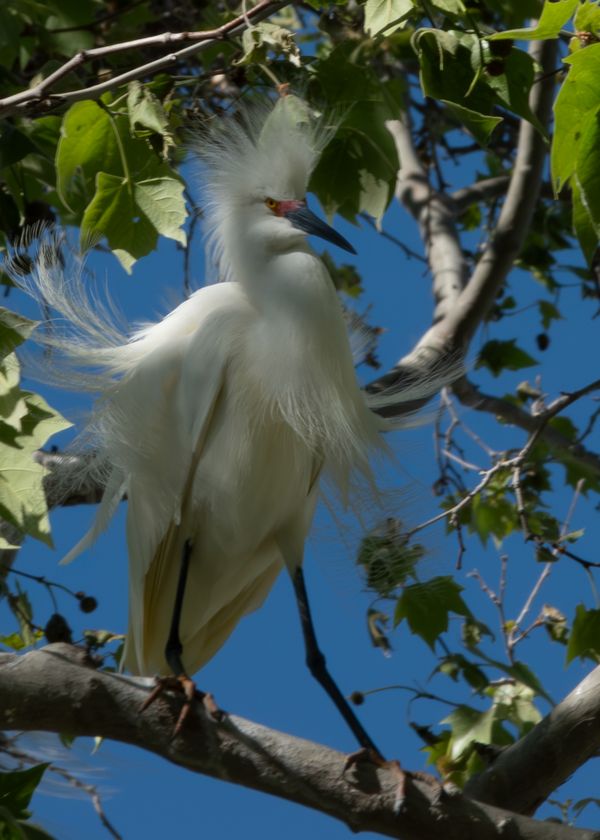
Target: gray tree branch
[[524, 774], [40, 98], [56, 689], [461, 304], [468, 394], [483, 190]]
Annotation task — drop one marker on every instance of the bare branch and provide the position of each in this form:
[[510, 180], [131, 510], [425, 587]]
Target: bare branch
[[39, 97], [470, 395], [55, 689], [482, 190]]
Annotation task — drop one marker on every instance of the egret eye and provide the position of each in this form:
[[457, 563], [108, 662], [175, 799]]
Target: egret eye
[[272, 204]]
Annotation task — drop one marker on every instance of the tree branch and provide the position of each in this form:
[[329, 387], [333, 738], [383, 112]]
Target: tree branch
[[56, 689], [483, 190], [40, 94], [461, 306], [525, 773], [470, 395], [517, 211]]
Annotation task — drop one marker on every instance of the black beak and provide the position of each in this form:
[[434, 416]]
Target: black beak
[[304, 219]]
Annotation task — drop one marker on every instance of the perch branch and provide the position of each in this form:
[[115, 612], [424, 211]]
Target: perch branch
[[56, 689]]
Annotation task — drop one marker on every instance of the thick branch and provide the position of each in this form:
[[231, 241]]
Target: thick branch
[[55, 690], [458, 313], [524, 774], [41, 95], [517, 212], [435, 216]]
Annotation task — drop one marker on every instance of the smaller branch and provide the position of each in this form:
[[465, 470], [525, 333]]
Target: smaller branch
[[408, 252], [540, 422], [468, 394], [545, 573], [90, 790], [498, 602], [41, 94], [483, 190]]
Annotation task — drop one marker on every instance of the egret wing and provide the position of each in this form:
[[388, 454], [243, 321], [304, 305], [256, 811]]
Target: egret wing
[[184, 375]]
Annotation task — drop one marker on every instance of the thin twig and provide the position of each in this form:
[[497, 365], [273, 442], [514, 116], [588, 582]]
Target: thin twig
[[40, 94], [91, 790], [409, 253]]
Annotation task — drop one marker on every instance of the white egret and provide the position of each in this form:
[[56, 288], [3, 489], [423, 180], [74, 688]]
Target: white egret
[[218, 422]]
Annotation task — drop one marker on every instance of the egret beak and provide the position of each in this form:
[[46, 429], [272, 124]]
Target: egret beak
[[304, 219]]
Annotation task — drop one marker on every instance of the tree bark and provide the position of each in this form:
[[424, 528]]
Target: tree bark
[[58, 689]]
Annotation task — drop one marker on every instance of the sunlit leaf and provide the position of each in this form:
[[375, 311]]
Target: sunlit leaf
[[555, 14]]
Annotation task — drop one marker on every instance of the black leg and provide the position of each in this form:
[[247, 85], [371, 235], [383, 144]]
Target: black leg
[[174, 648], [318, 668]]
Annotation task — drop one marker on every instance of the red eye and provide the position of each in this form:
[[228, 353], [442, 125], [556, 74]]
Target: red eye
[[272, 204]]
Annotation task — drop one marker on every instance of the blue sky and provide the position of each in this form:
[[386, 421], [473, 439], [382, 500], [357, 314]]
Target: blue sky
[[260, 673]]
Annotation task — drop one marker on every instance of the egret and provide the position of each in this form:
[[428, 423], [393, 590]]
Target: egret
[[218, 422]]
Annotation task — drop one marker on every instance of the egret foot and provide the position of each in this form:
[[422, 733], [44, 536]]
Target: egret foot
[[185, 685], [375, 758]]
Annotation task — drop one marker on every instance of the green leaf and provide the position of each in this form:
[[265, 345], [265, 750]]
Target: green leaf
[[587, 17], [555, 623], [14, 145], [426, 606], [578, 97], [388, 15], [493, 514], [20, 606], [452, 7], [555, 14], [22, 498], [162, 201], [523, 674], [450, 63], [88, 145], [498, 355], [145, 109], [480, 125], [14, 329], [584, 640], [453, 69], [583, 225], [14, 641], [113, 203], [469, 725], [357, 171], [587, 167], [258, 41], [548, 313], [513, 86], [17, 787]]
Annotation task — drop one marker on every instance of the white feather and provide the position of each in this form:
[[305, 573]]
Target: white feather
[[218, 420]]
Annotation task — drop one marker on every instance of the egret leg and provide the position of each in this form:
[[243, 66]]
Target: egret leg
[[174, 648], [318, 667], [173, 651]]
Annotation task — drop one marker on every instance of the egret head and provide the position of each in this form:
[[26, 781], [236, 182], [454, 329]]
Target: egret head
[[256, 175]]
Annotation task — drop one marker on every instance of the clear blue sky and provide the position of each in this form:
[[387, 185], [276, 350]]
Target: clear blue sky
[[260, 673]]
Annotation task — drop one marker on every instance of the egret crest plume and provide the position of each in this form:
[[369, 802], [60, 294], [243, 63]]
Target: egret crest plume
[[265, 151]]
